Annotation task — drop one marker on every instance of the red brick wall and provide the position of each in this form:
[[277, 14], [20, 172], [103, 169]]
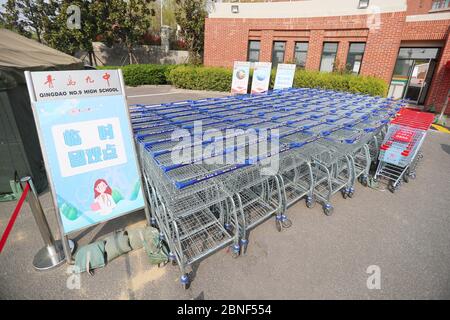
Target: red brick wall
[[226, 40], [418, 7], [440, 83], [425, 30], [382, 47]]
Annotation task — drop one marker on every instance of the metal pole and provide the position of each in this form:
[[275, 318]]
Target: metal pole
[[53, 253], [38, 213], [444, 107], [161, 1]]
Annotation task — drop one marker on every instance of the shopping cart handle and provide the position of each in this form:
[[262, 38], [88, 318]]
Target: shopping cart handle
[[183, 184], [171, 167], [350, 141], [297, 144]]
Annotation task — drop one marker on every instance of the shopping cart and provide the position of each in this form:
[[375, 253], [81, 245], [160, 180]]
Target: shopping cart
[[309, 144], [400, 151]]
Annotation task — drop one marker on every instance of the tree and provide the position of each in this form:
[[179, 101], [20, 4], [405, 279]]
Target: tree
[[28, 17], [10, 17], [130, 21], [94, 24], [190, 16]]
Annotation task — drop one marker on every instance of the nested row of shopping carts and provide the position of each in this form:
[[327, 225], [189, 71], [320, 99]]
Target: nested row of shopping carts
[[216, 168], [400, 151]]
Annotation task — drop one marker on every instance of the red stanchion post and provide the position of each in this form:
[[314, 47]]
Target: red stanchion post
[[13, 218]]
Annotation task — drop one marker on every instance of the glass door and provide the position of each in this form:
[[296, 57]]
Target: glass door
[[417, 80], [413, 73]]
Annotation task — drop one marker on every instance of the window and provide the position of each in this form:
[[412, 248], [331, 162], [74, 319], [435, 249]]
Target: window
[[363, 4], [253, 50], [278, 52], [328, 56], [355, 56], [440, 4], [300, 52]]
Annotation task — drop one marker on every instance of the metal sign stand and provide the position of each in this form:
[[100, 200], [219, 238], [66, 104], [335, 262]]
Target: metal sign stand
[[53, 253], [444, 108]]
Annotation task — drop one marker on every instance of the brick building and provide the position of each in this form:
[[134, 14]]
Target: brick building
[[404, 42]]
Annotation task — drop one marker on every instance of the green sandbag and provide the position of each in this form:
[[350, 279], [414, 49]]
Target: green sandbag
[[135, 237], [116, 245], [90, 257], [149, 239], [156, 250]]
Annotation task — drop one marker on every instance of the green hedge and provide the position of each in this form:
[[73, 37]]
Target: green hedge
[[219, 79], [201, 78], [140, 74], [341, 82]]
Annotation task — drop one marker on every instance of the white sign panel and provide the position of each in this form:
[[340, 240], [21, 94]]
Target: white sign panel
[[51, 85], [85, 135], [285, 76], [101, 145], [241, 73], [261, 77], [356, 67]]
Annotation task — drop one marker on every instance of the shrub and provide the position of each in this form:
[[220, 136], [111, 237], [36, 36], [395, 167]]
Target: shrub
[[219, 79], [342, 82], [140, 74], [201, 78]]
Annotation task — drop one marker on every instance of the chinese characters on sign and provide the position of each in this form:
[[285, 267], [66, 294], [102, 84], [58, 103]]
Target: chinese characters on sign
[[86, 136], [50, 85], [89, 145]]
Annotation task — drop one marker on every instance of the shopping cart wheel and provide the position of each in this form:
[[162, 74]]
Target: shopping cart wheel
[[235, 251], [185, 281], [351, 192], [392, 188], [172, 259], [278, 225], [406, 176], [364, 181], [412, 175], [344, 193], [310, 202], [328, 209]]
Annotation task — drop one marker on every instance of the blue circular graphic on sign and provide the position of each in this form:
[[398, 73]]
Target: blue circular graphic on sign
[[260, 75]]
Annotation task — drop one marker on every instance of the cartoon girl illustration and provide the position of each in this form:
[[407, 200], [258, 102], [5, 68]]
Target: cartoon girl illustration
[[103, 200]]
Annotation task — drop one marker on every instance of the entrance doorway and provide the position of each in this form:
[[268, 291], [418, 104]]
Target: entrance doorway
[[413, 73]]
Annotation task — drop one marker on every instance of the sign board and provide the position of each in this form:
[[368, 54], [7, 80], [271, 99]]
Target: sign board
[[86, 139], [285, 76], [392, 156], [356, 67], [261, 77], [241, 72]]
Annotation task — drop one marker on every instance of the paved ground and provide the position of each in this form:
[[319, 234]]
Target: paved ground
[[406, 234]]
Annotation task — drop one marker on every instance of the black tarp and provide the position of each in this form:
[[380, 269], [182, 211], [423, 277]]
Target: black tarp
[[20, 153]]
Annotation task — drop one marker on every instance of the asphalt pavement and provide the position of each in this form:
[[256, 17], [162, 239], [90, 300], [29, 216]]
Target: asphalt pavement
[[403, 236]]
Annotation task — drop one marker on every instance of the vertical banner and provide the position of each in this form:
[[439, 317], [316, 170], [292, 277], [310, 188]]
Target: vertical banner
[[241, 72], [86, 139], [261, 77], [285, 76]]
